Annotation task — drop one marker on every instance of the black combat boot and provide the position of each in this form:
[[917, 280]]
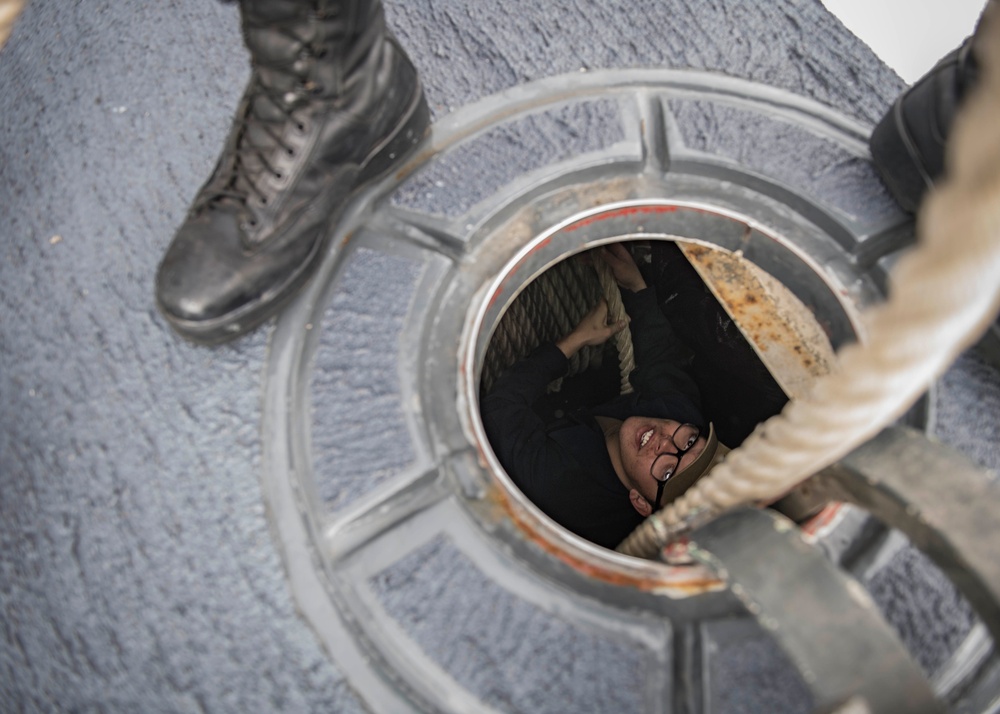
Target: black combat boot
[[908, 145], [333, 103]]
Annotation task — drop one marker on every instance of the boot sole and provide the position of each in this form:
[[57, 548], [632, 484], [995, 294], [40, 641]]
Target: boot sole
[[400, 144], [895, 152], [896, 160]]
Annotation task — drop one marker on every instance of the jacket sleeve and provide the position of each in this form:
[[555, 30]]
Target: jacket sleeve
[[660, 358], [536, 463]]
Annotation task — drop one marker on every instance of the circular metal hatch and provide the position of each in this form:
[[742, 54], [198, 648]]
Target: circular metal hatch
[[431, 582]]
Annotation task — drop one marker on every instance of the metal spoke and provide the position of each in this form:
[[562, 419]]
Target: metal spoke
[[688, 683], [881, 242], [824, 620], [373, 519], [655, 134], [421, 230], [945, 504]]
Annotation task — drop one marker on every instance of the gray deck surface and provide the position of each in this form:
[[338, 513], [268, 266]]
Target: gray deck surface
[[137, 569]]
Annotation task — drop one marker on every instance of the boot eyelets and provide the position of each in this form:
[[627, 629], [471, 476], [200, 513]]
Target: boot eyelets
[[311, 87]]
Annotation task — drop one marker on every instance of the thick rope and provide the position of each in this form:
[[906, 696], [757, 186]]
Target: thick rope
[[943, 296], [9, 10], [616, 313], [549, 308]]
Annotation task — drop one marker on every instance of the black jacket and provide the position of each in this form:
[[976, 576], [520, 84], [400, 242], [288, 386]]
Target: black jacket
[[563, 466]]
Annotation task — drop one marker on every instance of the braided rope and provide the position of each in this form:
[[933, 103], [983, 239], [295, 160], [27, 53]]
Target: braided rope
[[550, 307], [944, 294], [9, 11], [616, 313]]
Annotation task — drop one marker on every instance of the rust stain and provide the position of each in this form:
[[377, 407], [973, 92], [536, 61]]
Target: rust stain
[[416, 161], [501, 289], [541, 244], [619, 213], [782, 330], [682, 584], [827, 517]]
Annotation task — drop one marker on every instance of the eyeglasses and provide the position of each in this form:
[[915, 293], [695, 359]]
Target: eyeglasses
[[664, 466]]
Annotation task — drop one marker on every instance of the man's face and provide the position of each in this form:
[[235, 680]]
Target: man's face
[[641, 440]]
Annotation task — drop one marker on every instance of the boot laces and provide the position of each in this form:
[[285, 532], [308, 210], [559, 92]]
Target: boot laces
[[259, 133]]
